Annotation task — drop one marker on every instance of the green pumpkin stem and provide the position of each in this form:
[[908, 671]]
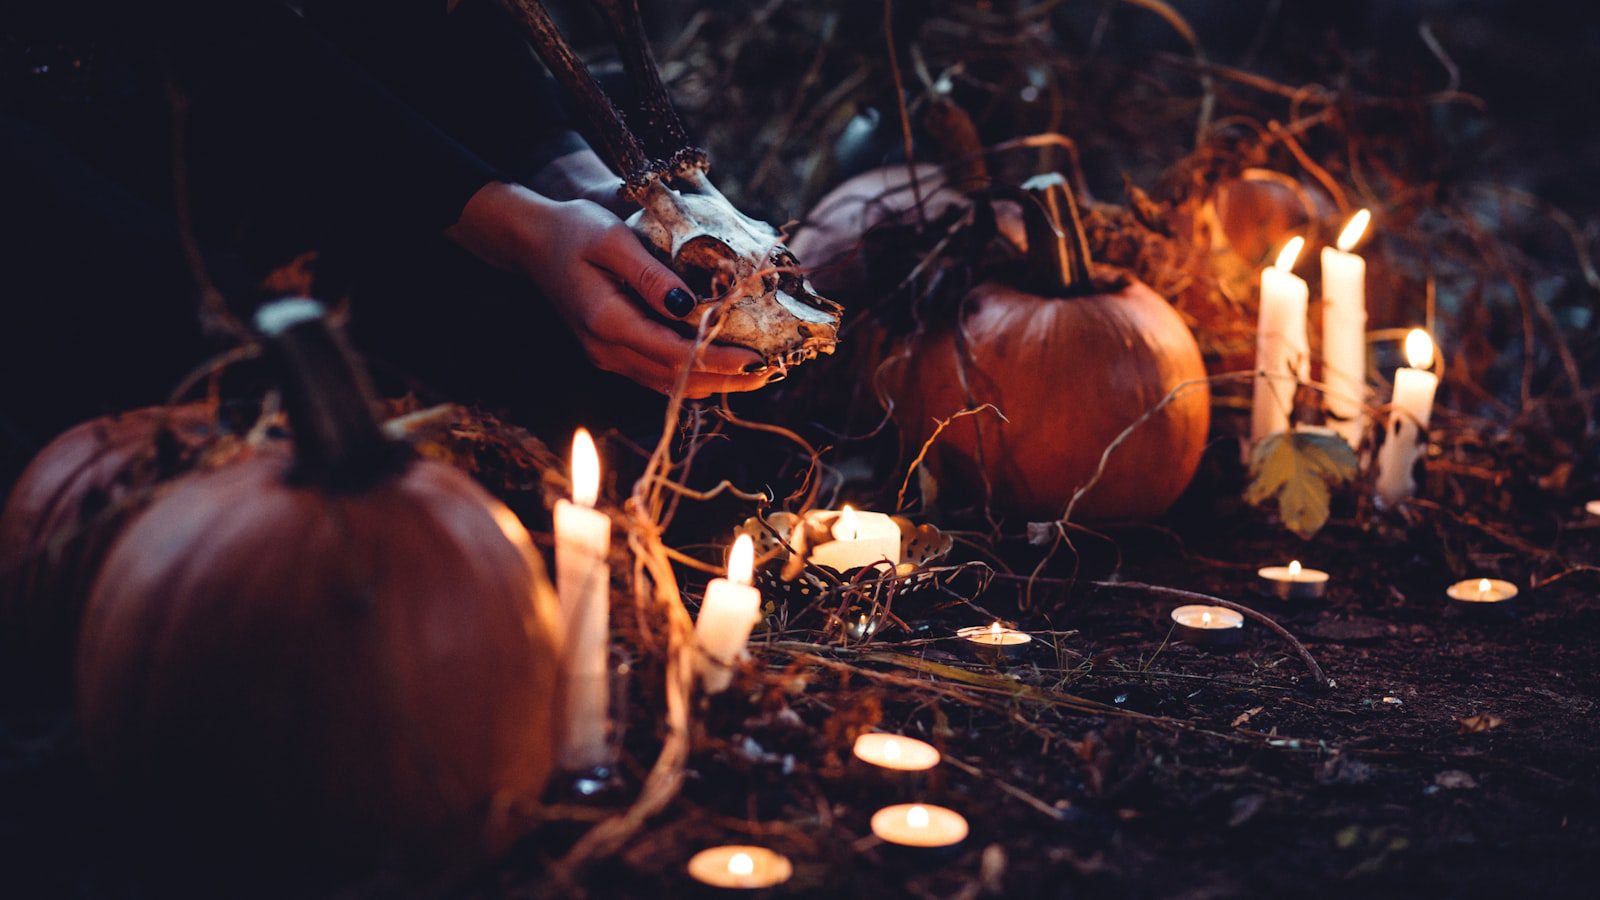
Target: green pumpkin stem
[[1058, 248], [338, 441]]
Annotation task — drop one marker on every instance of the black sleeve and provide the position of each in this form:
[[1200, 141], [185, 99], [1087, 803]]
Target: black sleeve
[[394, 170], [467, 68]]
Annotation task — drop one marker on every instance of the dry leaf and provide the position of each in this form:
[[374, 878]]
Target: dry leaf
[[1244, 717], [1299, 469], [1480, 722]]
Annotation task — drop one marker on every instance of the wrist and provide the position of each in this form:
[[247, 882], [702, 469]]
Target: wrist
[[501, 223], [581, 175]]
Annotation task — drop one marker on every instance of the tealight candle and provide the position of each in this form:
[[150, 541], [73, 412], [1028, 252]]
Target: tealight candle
[[896, 752], [1294, 581], [739, 867], [583, 583], [994, 642], [1344, 331], [731, 608], [1407, 432], [1283, 351], [1592, 507], [1484, 595], [920, 825], [1207, 625], [859, 539]]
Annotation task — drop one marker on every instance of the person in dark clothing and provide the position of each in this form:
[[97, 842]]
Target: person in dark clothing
[[364, 129]]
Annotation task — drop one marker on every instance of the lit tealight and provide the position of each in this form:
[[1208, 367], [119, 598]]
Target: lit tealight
[[919, 825], [1592, 507], [740, 867], [897, 752], [1294, 581], [994, 635], [1482, 590], [1207, 625]]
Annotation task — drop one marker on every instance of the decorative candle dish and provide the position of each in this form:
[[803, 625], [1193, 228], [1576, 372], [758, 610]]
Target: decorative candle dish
[[796, 581]]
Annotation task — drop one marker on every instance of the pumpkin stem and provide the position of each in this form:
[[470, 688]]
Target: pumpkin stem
[[1058, 248], [338, 441]]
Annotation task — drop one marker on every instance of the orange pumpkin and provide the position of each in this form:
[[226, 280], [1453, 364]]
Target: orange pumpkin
[[62, 515], [1072, 354], [344, 649]]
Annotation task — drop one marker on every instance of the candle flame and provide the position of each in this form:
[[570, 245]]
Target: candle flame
[[1483, 586], [1205, 619], [891, 750], [1289, 254], [994, 630], [741, 864], [848, 528], [917, 817], [1419, 349], [585, 469], [1294, 568], [742, 560], [1354, 229]]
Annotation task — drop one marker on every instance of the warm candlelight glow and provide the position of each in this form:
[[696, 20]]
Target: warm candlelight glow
[[1294, 581], [1205, 619], [1483, 586], [742, 560], [1419, 349], [994, 631], [848, 528], [585, 469], [1294, 568], [741, 868], [1482, 591], [1353, 230], [919, 825], [897, 752], [1289, 254]]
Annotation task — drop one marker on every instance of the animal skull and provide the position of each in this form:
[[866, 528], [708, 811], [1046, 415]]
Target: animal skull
[[740, 266]]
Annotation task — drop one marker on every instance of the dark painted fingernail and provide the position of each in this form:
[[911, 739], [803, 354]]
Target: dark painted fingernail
[[755, 368], [679, 302]]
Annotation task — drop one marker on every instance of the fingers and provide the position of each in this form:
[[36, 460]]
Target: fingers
[[663, 379], [622, 254], [612, 317]]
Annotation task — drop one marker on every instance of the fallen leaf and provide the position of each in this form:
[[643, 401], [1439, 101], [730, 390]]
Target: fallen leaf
[[1299, 469], [1244, 717], [1480, 722], [1455, 780]]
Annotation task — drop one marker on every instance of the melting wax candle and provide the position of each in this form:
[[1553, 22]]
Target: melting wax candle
[[1344, 331], [897, 752], [859, 539], [1283, 351], [1207, 625], [1406, 435], [583, 583], [732, 607]]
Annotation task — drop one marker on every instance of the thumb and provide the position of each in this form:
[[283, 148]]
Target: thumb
[[629, 260]]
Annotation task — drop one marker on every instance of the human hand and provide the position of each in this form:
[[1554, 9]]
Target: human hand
[[602, 281]]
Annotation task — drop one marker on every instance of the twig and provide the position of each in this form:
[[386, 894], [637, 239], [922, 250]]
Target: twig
[[900, 499], [1321, 680]]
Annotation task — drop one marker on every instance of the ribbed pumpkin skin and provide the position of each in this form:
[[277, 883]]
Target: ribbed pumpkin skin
[[1071, 374], [323, 672], [63, 513]]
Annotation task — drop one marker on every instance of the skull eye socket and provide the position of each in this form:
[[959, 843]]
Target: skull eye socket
[[700, 280]]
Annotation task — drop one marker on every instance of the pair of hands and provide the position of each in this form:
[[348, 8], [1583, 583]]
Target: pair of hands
[[605, 284]]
